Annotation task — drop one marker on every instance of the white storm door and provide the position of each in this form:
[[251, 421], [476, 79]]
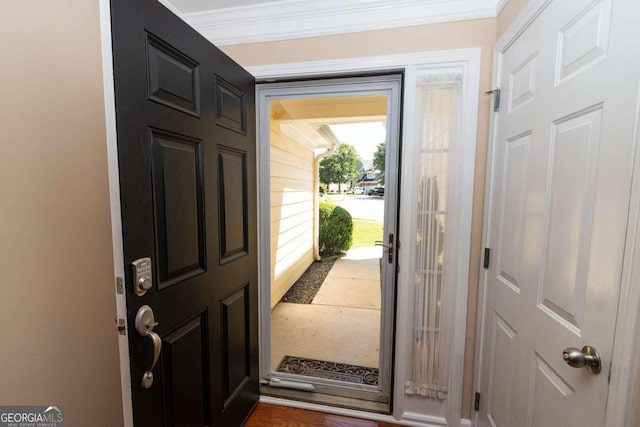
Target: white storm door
[[559, 197]]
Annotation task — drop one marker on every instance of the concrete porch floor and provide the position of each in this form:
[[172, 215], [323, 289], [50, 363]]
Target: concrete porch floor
[[342, 324]]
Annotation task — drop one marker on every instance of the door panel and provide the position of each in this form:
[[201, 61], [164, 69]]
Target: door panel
[[574, 159], [232, 169], [173, 77], [178, 206], [184, 366], [511, 217], [562, 166], [503, 347], [187, 182], [235, 341], [552, 397], [231, 106]]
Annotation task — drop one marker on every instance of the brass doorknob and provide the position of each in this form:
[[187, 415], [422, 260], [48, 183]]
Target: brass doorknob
[[587, 358]]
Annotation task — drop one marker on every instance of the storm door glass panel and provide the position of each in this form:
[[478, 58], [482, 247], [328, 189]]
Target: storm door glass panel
[[326, 298]]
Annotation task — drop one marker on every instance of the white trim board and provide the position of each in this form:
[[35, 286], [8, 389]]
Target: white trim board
[[114, 197], [436, 59], [293, 19], [415, 409], [626, 348]]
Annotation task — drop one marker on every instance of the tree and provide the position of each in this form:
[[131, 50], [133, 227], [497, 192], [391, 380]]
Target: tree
[[360, 170], [378, 160], [341, 167]]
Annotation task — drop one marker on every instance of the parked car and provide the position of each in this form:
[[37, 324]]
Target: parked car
[[355, 190], [377, 191], [321, 196]]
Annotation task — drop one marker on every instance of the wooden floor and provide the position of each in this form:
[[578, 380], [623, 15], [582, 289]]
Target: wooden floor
[[266, 415]]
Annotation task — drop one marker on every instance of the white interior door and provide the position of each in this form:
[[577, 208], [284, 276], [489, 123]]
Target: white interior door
[[561, 175]]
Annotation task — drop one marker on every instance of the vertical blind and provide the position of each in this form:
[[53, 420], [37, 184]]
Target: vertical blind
[[438, 118]]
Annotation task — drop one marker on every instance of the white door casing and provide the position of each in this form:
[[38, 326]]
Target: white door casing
[[561, 164], [414, 410]]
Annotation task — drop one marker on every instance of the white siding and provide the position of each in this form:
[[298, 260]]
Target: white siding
[[292, 211]]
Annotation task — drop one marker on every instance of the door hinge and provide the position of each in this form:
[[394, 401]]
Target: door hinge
[[496, 98], [487, 258], [122, 327], [476, 404], [119, 286]]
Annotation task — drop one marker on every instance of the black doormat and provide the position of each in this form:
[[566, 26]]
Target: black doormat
[[329, 370]]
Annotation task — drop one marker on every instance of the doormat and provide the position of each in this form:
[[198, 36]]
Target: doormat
[[329, 370]]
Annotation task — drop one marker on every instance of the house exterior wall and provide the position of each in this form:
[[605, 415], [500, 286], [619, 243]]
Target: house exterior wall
[[57, 300], [292, 210], [454, 35]]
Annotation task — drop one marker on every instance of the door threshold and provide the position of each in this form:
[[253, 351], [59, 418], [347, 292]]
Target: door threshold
[[325, 399]]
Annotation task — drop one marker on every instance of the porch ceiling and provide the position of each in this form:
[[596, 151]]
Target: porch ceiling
[[343, 108], [308, 119]]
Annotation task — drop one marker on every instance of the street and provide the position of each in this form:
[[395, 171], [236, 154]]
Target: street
[[360, 207]]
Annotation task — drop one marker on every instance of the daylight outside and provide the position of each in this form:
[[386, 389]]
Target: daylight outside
[[325, 319]]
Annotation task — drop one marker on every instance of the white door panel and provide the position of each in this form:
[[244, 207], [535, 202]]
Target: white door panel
[[561, 175]]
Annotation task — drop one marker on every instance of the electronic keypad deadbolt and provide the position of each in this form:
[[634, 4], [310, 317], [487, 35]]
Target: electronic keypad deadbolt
[[142, 279]]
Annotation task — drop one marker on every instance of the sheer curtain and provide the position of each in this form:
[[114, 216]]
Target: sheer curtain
[[438, 105]]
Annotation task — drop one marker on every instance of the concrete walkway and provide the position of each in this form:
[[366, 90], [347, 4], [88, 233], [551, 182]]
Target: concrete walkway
[[342, 324]]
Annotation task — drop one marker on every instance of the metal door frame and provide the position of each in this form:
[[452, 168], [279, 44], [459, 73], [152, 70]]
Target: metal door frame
[[390, 85]]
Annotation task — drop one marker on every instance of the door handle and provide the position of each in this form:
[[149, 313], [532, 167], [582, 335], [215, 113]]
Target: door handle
[[587, 358], [145, 322], [388, 246]]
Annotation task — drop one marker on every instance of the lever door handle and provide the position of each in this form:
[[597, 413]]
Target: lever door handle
[[157, 347], [388, 247], [145, 322]]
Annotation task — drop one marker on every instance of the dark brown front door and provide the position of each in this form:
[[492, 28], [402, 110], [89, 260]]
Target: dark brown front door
[[187, 155]]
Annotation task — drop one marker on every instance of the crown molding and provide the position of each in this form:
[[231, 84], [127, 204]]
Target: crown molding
[[500, 4], [292, 19]]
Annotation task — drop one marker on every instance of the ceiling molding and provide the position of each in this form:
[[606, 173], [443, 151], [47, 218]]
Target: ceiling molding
[[292, 19], [500, 4]]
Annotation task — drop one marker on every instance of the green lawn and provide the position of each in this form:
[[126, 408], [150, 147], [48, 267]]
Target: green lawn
[[365, 233]]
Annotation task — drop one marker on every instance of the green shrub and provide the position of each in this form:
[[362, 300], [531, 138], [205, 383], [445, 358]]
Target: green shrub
[[336, 229]]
